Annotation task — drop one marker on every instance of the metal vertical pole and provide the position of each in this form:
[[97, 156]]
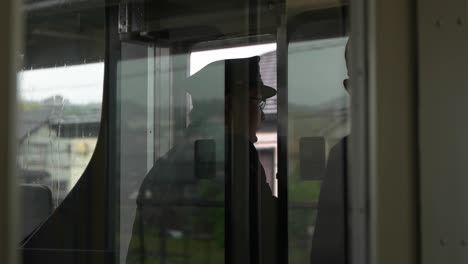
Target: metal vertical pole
[[10, 20], [358, 150], [392, 125]]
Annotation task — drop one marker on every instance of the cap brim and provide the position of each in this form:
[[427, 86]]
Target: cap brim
[[267, 92]]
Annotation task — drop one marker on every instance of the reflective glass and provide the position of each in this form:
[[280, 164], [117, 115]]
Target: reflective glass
[[150, 132], [173, 172], [172, 158], [60, 113], [317, 129], [60, 90]]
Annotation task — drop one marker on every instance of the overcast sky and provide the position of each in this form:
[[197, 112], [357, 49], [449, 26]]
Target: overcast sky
[[316, 71], [79, 84]]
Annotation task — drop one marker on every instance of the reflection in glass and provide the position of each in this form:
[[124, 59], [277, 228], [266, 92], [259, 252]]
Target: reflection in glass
[[180, 201], [58, 126], [179, 214], [318, 120]]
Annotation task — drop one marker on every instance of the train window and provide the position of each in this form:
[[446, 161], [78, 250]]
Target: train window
[[60, 90], [60, 112]]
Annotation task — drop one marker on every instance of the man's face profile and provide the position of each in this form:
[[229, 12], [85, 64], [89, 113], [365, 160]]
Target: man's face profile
[[346, 55], [256, 115]]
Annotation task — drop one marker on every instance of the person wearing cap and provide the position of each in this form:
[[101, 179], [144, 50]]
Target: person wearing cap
[[194, 170], [214, 97]]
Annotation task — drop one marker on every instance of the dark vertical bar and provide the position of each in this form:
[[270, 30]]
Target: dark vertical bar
[[358, 169], [344, 16], [110, 114], [186, 247], [415, 40], [9, 221], [163, 243], [254, 24], [344, 177], [282, 103], [238, 159], [255, 215], [141, 235], [228, 238]]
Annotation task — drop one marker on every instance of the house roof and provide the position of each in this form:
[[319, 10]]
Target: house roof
[[31, 120]]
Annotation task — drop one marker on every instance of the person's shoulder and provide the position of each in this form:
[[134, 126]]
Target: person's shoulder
[[175, 163], [339, 149]]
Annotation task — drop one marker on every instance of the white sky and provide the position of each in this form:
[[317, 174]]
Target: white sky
[[200, 59], [79, 84]]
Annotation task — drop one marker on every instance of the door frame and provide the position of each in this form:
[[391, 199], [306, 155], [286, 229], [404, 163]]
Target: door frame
[[383, 160], [10, 26]]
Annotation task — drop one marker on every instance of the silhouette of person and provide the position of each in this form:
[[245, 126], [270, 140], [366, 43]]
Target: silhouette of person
[[329, 243], [183, 194]]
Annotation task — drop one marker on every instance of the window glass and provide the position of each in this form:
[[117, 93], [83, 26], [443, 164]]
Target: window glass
[[267, 135], [318, 125], [58, 126], [173, 206], [149, 132], [60, 95]]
